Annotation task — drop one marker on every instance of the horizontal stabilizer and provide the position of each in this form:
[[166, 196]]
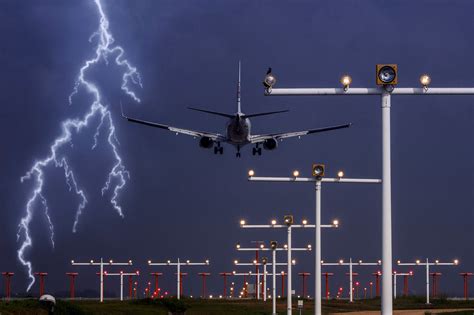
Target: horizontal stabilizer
[[265, 114], [211, 112]]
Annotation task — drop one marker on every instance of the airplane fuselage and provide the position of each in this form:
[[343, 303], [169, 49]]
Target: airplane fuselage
[[238, 130]]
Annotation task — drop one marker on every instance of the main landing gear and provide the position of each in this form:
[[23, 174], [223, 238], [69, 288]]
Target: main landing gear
[[218, 149], [257, 150], [238, 151]]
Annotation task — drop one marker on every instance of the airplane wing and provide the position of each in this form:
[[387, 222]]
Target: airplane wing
[[278, 136], [194, 133]]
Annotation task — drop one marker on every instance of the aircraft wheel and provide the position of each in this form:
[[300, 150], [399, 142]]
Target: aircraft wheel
[[259, 150], [221, 150], [254, 151], [237, 154]]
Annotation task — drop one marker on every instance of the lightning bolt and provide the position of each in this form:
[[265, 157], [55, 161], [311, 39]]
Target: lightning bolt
[[118, 175]]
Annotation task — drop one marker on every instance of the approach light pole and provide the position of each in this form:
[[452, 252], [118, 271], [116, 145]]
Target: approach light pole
[[8, 275], [101, 264], [304, 275], [427, 265], [274, 248], [405, 276], [466, 276], [178, 265], [288, 220], [121, 274], [204, 275], [386, 79], [157, 287], [351, 264], [225, 275], [318, 172], [72, 279], [41, 275], [326, 276]]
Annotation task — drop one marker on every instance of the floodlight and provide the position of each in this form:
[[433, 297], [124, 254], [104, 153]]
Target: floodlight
[[270, 79], [386, 74], [273, 245], [318, 170], [288, 219], [425, 80], [346, 80]]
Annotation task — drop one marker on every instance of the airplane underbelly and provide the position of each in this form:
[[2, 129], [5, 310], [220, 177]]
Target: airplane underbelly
[[238, 135]]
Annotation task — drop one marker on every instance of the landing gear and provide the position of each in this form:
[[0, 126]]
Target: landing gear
[[218, 149], [238, 151], [256, 151]]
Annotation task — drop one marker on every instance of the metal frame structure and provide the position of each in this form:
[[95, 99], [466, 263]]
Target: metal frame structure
[[317, 182], [121, 274], [385, 93], [72, 279], [178, 265], [289, 227], [274, 262], [405, 282], [427, 265], [8, 275], [351, 264], [101, 264]]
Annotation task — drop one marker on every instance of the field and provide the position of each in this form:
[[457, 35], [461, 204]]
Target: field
[[233, 307]]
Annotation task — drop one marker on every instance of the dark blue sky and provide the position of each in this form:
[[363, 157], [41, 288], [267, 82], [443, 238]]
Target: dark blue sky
[[184, 201]]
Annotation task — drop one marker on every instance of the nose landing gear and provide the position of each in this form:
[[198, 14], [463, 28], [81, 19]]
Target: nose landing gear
[[238, 151]]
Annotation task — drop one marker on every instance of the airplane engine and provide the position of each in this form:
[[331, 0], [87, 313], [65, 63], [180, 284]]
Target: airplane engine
[[270, 144], [206, 142]]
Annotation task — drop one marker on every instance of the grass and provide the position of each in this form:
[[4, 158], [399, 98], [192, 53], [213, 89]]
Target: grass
[[216, 306]]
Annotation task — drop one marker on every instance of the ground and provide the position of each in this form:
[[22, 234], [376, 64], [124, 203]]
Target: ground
[[404, 306]]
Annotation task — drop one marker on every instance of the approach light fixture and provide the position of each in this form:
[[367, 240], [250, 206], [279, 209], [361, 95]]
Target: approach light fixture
[[236, 262], [242, 222], [296, 173], [346, 81], [237, 246], [304, 221], [340, 174], [270, 79], [273, 245], [318, 170], [264, 260], [251, 173], [274, 222], [425, 81], [262, 246], [335, 223], [288, 219], [386, 74], [456, 262]]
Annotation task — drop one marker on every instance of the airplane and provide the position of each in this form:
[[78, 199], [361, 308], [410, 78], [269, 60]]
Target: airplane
[[237, 130]]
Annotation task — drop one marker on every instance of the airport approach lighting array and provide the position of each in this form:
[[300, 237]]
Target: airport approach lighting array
[[386, 79], [318, 172], [178, 265], [101, 264]]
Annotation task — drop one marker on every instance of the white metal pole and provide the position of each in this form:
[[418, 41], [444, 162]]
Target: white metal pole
[[387, 307], [318, 243], [351, 295], [264, 282], [274, 282], [427, 281], [121, 287], [288, 296], [179, 280], [258, 283], [394, 286], [101, 280]]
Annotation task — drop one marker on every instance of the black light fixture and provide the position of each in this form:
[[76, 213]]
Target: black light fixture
[[387, 74], [273, 245], [318, 170], [288, 219]]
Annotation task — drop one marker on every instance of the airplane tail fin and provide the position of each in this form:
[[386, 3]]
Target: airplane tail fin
[[212, 112], [239, 110], [265, 114]]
